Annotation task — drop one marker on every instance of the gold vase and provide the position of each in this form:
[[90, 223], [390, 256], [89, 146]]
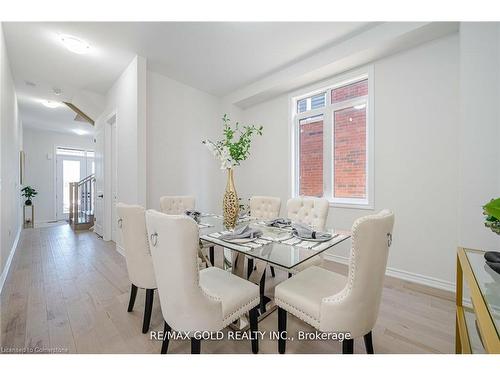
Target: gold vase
[[230, 203]]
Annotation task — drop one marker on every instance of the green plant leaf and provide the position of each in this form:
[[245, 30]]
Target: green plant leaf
[[493, 208]]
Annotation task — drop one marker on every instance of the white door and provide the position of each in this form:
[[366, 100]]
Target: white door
[[106, 165], [99, 179], [114, 179], [69, 169]]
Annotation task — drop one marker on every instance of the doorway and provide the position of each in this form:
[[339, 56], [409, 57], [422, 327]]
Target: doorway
[[114, 177], [72, 165], [106, 172]]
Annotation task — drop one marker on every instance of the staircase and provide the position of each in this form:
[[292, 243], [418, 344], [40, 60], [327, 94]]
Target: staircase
[[82, 202]]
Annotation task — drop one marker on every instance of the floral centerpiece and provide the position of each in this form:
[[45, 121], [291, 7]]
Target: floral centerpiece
[[231, 150]]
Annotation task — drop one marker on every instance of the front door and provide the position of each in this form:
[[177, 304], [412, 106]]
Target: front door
[[69, 169], [71, 166]]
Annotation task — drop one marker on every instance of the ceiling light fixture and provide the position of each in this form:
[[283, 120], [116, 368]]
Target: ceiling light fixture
[[74, 44], [50, 104]]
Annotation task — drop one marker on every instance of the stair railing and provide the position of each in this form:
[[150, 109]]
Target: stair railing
[[82, 202]]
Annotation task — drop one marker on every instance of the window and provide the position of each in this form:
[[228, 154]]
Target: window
[[311, 156], [71, 173], [313, 102], [332, 142], [70, 152]]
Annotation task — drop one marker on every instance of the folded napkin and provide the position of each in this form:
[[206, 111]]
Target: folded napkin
[[193, 214], [494, 266], [302, 231], [492, 256], [279, 222], [242, 232]]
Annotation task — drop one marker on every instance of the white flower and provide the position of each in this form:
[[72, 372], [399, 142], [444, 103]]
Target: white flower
[[222, 154]]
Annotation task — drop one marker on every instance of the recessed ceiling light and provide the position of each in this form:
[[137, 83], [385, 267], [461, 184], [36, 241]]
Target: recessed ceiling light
[[74, 44], [80, 132], [50, 103]]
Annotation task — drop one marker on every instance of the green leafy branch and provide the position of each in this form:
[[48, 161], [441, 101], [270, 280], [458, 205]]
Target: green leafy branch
[[235, 146], [492, 212], [240, 149], [28, 192]]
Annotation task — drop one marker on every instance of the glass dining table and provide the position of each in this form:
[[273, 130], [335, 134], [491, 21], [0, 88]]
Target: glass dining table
[[277, 247]]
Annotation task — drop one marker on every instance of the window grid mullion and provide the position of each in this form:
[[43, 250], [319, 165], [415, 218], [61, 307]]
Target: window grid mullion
[[327, 155]]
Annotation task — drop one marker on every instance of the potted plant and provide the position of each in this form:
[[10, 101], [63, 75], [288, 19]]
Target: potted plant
[[231, 150], [28, 192], [492, 212]]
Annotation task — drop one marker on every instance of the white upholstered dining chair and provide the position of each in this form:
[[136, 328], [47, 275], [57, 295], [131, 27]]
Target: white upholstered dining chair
[[311, 211], [131, 221], [193, 300], [264, 208], [331, 302], [176, 205]]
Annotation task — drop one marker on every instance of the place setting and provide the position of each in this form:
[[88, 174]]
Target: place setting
[[244, 236]]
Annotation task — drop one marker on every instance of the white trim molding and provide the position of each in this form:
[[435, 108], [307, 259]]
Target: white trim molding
[[404, 275], [6, 269], [120, 250]]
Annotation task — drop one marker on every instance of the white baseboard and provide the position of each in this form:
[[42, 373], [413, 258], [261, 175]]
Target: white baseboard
[[98, 229], [405, 275], [120, 249], [49, 221], [5, 271]]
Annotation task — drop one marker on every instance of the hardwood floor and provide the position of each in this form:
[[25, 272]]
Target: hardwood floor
[[68, 292]]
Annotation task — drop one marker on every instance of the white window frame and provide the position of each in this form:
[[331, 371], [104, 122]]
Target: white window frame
[[328, 136]]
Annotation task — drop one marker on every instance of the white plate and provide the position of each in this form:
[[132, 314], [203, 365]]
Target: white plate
[[240, 240], [313, 239]]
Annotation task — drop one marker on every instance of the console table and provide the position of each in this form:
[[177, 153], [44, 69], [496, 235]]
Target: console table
[[477, 321]]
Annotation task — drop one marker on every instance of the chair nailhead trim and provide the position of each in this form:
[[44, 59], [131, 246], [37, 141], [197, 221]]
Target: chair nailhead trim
[[241, 310], [316, 323]]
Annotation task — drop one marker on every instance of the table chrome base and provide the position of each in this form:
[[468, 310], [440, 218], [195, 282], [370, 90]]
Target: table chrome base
[[243, 323]]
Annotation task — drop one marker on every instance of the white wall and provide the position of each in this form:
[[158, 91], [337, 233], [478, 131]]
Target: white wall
[[479, 131], [416, 167], [10, 145], [179, 118], [127, 97], [40, 172]]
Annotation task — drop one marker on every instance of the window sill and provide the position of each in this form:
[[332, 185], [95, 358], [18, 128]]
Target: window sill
[[355, 206]]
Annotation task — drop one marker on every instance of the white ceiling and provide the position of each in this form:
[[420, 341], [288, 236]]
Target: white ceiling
[[217, 57], [61, 119]]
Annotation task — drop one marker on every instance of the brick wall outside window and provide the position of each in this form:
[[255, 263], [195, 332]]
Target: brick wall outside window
[[354, 90], [350, 153], [311, 158]]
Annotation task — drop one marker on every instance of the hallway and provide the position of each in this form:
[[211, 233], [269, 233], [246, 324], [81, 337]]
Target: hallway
[[69, 291]]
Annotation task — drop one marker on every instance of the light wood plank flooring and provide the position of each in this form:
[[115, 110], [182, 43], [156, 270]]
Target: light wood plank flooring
[[68, 292]]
